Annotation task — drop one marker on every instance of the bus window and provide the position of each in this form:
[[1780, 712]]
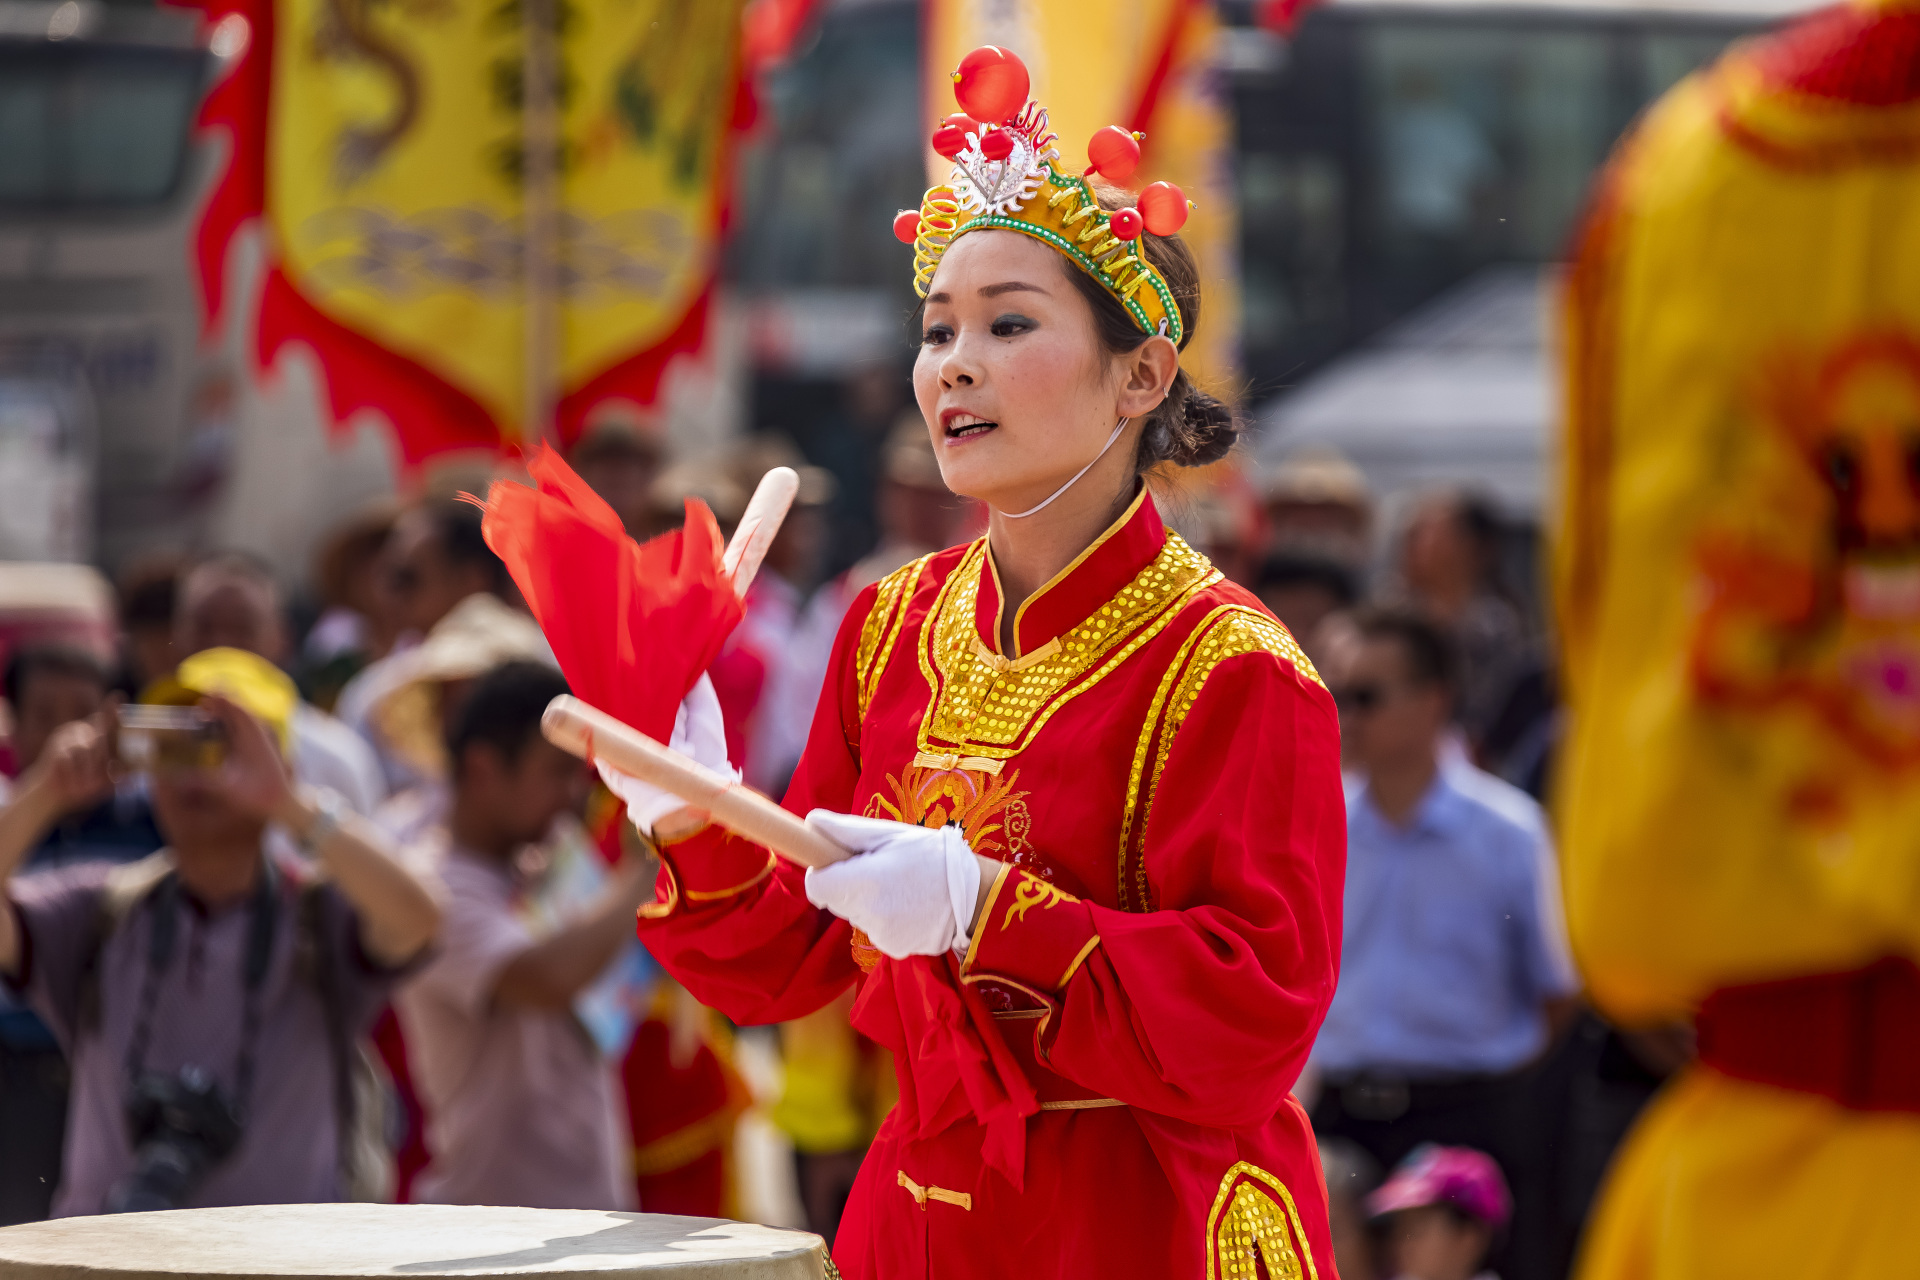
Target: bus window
[[1401, 146], [1667, 58], [1482, 140], [85, 128]]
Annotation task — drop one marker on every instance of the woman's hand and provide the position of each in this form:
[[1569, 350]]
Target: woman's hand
[[914, 891], [700, 734]]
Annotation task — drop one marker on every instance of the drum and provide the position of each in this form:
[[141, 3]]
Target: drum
[[264, 1242]]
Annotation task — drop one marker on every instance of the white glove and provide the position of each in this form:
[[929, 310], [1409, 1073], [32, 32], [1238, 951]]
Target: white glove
[[700, 734], [910, 889]]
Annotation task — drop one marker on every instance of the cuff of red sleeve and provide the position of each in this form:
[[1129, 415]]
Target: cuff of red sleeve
[[708, 865], [1031, 934]]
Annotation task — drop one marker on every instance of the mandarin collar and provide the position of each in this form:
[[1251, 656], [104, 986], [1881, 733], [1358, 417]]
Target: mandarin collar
[[1092, 579], [1440, 812]]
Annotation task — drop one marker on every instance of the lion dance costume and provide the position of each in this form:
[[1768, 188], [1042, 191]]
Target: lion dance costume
[[1739, 581], [1102, 1085]]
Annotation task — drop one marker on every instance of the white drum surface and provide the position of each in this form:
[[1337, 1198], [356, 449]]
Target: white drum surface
[[357, 1240]]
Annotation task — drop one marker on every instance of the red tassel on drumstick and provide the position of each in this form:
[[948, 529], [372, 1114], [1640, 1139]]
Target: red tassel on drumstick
[[633, 627]]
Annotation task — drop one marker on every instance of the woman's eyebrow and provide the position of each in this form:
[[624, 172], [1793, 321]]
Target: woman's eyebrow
[[1011, 286]]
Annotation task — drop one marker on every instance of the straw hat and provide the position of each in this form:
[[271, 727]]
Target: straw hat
[[479, 634]]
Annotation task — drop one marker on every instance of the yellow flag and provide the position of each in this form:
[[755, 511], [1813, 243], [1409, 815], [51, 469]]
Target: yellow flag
[[1739, 558], [1140, 64], [394, 191]]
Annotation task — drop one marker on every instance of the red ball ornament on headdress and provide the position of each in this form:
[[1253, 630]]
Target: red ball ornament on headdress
[[1114, 153], [1164, 206], [1126, 224], [997, 145], [906, 226], [950, 139], [991, 84]]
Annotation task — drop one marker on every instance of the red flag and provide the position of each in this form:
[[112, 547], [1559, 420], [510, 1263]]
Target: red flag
[[1281, 15], [632, 625]]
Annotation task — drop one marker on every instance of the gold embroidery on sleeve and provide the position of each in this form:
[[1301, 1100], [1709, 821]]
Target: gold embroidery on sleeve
[[882, 628], [714, 895], [658, 910], [1031, 892], [1228, 632], [1247, 1222]]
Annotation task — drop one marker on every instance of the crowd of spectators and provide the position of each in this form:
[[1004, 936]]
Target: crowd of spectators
[[359, 931], [1457, 1040], [345, 925]]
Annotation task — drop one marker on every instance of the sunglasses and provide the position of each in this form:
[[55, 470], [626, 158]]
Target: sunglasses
[[1361, 698]]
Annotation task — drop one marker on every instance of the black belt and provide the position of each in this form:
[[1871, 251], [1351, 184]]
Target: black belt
[[1381, 1097]]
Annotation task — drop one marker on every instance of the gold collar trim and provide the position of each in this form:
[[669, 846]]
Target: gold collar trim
[[1019, 615]]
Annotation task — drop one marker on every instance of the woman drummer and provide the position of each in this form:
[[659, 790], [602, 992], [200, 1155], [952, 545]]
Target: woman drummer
[[1093, 788]]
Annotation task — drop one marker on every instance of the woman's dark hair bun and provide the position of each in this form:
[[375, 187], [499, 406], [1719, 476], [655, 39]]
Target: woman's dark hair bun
[[1212, 428], [1190, 428]]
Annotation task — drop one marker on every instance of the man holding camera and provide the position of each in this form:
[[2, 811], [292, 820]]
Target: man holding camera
[[208, 997]]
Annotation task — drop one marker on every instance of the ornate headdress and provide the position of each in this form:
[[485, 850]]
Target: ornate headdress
[[1007, 174]]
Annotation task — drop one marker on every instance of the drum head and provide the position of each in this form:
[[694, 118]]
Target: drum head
[[357, 1240]]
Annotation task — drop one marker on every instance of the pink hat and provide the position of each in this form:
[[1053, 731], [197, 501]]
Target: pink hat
[[1468, 1180]]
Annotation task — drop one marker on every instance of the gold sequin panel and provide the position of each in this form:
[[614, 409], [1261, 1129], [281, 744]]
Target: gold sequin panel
[[985, 706], [1254, 1224], [1228, 632]]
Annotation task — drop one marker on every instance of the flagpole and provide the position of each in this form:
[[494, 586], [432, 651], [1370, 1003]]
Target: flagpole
[[540, 194]]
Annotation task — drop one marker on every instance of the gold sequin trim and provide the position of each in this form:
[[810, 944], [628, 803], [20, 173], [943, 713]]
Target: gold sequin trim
[[988, 706], [882, 628], [1228, 632], [1248, 1227]]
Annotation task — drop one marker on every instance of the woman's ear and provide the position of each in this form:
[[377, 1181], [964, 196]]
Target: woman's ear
[[1150, 369]]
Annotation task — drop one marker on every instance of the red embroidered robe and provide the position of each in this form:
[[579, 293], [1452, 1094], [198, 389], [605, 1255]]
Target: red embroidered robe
[[1102, 1086]]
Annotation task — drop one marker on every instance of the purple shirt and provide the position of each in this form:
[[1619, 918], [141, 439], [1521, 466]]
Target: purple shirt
[[289, 1151], [522, 1109]]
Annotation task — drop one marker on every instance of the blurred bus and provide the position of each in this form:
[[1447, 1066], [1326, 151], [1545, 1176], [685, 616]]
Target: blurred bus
[[1411, 173], [99, 318], [1388, 151], [1393, 148]]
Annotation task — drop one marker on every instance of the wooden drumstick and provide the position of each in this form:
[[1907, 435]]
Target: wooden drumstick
[[592, 734], [761, 521]]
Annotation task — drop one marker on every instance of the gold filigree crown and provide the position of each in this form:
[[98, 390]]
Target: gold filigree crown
[[1007, 175]]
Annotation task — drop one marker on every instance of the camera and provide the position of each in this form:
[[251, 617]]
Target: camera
[[168, 739], [182, 1126]]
